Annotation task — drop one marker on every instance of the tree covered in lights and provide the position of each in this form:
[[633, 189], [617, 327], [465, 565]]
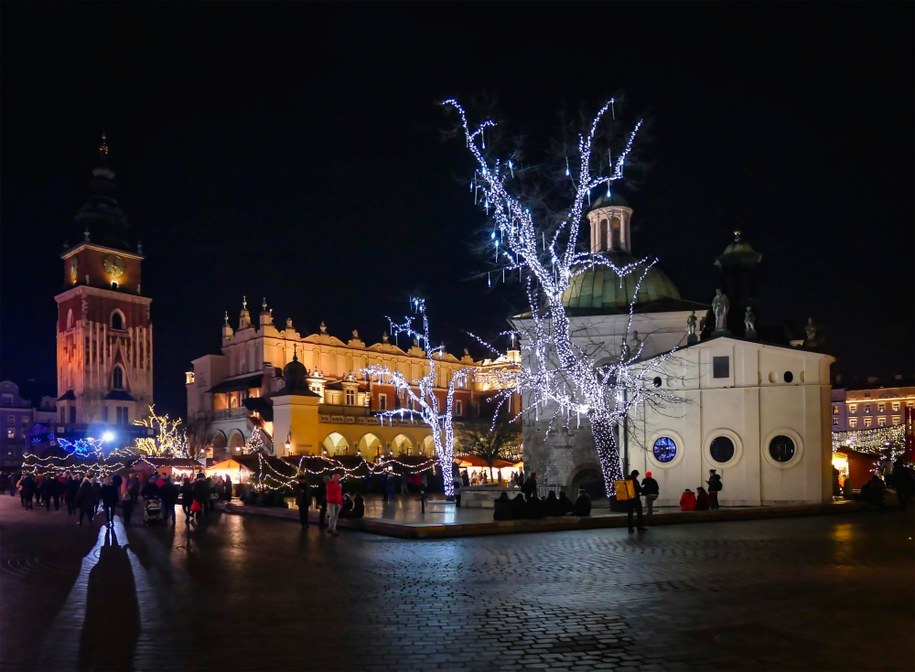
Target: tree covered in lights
[[169, 437], [535, 237], [423, 402]]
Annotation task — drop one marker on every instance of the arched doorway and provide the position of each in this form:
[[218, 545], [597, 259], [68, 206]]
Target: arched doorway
[[370, 446], [236, 443], [402, 445], [427, 447], [591, 480], [219, 445], [335, 444]]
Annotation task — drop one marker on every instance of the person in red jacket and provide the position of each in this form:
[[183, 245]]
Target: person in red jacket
[[688, 500], [334, 502]]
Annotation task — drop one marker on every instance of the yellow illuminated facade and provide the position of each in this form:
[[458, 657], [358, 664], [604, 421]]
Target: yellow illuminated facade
[[335, 408]]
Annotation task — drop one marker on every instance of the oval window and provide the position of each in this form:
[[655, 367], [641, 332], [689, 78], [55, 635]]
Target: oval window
[[664, 449], [657, 381], [789, 376], [722, 449], [781, 448]]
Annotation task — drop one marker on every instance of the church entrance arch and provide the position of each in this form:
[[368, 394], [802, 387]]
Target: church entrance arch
[[589, 478]]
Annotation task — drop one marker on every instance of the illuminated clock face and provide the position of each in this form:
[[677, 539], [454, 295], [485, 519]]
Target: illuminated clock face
[[74, 270], [114, 266]]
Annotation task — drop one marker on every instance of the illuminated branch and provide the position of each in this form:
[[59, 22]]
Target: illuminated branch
[[561, 379]]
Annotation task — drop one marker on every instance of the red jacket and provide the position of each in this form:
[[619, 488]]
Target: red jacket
[[688, 501], [334, 492]]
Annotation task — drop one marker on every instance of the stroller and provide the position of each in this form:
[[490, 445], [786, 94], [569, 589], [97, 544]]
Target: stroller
[[152, 512]]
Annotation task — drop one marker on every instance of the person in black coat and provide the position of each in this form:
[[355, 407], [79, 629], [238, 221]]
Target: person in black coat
[[70, 490], [634, 504], [551, 505], [502, 508], [109, 499], [564, 504], [582, 505], [169, 494], [302, 500], [85, 501], [27, 490], [519, 506], [535, 507]]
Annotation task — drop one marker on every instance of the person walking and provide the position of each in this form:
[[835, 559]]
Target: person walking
[[303, 500], [634, 504], [714, 487], [321, 503], [70, 490], [530, 485], [109, 497], [457, 490], [187, 499], [85, 501], [26, 487], [334, 502], [169, 494], [651, 489]]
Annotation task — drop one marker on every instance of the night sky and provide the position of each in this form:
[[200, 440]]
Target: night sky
[[297, 152]]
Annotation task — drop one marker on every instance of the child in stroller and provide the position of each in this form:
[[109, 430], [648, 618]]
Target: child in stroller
[[152, 511]]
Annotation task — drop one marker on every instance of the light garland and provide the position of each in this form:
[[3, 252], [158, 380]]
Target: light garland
[[169, 437], [560, 377], [872, 440]]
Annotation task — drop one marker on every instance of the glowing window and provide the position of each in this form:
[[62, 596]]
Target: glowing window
[[867, 408], [868, 421], [835, 421], [853, 408], [853, 422], [835, 410], [881, 408], [895, 405], [350, 397], [722, 449], [11, 433], [782, 449], [664, 449], [897, 420], [881, 421]]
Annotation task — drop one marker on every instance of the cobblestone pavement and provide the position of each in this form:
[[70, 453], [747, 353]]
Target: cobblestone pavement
[[249, 593]]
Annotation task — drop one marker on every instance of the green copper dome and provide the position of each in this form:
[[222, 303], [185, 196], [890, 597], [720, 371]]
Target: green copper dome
[[600, 291]]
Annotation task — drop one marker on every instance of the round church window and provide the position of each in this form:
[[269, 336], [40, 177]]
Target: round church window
[[781, 448], [722, 449], [664, 449]]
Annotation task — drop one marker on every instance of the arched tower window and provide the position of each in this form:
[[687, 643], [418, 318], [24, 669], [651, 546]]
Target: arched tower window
[[117, 320], [70, 319], [117, 378], [603, 235], [615, 234]]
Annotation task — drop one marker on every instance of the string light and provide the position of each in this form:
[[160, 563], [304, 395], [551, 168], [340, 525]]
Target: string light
[[559, 376]]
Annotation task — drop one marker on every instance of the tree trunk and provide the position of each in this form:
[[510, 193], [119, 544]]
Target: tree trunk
[[608, 454]]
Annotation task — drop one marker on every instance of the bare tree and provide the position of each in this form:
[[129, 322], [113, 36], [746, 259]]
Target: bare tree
[[539, 242]]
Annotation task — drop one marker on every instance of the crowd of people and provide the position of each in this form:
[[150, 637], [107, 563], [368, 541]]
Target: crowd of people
[[527, 504], [86, 495]]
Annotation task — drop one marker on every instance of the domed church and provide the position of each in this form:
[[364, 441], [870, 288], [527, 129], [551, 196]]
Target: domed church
[[756, 412]]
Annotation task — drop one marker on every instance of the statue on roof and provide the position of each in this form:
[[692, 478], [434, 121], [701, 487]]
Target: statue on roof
[[691, 328], [749, 323], [720, 305]]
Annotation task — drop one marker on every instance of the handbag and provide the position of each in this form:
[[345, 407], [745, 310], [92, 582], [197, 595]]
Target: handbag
[[195, 507]]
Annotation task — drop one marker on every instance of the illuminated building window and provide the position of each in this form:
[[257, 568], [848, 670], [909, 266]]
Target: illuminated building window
[[853, 408], [11, 433], [382, 402], [781, 448], [881, 421], [459, 407], [664, 449], [895, 405], [881, 408], [835, 409], [350, 397], [910, 404], [868, 421], [853, 422], [117, 378], [897, 420], [867, 408], [835, 421]]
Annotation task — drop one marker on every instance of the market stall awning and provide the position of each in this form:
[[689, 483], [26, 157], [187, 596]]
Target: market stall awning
[[225, 465]]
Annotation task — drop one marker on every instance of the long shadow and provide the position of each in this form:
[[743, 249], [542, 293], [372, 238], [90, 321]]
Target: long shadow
[[112, 623]]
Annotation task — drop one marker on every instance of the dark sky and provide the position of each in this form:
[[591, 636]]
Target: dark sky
[[295, 151]]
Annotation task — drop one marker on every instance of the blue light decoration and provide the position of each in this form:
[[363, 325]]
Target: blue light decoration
[[664, 449]]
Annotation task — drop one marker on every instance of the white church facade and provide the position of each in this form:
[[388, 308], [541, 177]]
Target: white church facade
[[757, 412]]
